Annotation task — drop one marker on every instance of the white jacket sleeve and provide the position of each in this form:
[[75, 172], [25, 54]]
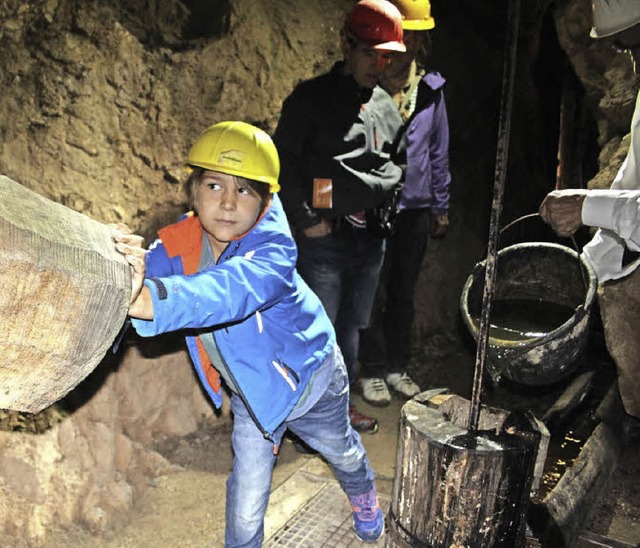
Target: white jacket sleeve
[[616, 213], [615, 210]]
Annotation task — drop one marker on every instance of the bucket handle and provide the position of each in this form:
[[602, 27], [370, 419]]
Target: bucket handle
[[573, 240], [497, 366], [529, 216]]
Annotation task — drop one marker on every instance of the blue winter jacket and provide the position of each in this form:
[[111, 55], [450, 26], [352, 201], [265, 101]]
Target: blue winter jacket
[[271, 329]]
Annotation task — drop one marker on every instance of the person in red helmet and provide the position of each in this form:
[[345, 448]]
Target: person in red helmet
[[335, 138], [423, 208]]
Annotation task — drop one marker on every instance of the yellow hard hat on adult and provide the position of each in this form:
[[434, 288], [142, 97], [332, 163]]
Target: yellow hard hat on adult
[[613, 16], [239, 149], [416, 14]]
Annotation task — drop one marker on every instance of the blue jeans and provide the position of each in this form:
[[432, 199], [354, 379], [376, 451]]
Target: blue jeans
[[342, 269], [325, 427]]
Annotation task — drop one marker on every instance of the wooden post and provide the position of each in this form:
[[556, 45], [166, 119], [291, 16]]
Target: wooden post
[[557, 520], [65, 295], [454, 488]]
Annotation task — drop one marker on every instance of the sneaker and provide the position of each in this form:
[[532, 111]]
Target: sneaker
[[375, 391], [402, 384], [361, 423], [368, 521]]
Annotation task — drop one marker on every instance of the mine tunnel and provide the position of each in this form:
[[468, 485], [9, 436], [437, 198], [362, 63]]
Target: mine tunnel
[[101, 103]]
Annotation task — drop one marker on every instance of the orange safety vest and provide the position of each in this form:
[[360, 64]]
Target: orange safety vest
[[184, 239]]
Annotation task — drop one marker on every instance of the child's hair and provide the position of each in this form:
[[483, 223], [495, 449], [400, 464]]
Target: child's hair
[[195, 177]]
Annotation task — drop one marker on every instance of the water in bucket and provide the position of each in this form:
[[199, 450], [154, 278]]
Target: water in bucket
[[523, 320], [540, 313]]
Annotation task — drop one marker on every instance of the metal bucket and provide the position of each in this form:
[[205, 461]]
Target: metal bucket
[[532, 276]]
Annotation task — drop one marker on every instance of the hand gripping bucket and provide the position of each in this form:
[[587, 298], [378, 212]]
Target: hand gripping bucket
[[533, 278]]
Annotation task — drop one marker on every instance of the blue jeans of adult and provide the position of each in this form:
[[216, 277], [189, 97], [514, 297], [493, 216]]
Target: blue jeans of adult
[[325, 427], [385, 347], [342, 269]]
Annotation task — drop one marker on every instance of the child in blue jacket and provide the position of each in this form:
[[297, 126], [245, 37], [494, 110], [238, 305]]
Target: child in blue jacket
[[225, 275]]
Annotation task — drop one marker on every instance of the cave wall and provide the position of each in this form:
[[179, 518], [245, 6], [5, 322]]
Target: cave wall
[[89, 467], [609, 83], [101, 101], [106, 97]]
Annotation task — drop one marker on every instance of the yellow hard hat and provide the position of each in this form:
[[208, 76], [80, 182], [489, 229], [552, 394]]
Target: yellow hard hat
[[238, 149], [613, 16], [416, 14]]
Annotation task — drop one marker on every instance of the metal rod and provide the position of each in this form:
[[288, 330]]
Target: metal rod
[[500, 171]]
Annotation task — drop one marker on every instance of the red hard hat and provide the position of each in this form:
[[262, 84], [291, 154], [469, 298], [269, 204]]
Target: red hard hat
[[377, 23]]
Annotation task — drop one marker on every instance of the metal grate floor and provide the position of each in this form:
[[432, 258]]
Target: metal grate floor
[[325, 520]]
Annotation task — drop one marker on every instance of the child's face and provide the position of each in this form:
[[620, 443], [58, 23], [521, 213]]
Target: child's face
[[227, 208]]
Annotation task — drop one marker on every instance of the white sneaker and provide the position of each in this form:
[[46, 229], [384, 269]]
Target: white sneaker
[[375, 391], [402, 384]]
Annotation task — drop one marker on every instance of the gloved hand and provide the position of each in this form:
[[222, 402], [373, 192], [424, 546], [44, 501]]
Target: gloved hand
[[562, 210]]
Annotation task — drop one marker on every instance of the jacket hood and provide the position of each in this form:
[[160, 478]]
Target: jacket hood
[[434, 80]]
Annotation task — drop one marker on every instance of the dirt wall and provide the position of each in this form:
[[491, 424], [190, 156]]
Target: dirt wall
[[101, 102]]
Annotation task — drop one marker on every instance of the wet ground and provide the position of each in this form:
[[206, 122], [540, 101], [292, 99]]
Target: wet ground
[[443, 361], [186, 508]]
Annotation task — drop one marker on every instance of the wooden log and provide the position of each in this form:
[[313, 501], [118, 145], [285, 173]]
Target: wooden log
[[588, 539], [570, 399], [65, 293], [456, 489], [557, 520]]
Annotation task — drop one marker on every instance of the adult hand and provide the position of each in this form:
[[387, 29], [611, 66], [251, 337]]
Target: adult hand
[[323, 228], [439, 225], [130, 245], [562, 210]]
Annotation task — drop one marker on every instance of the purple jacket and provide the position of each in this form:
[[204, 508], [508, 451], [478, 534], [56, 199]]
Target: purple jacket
[[427, 145]]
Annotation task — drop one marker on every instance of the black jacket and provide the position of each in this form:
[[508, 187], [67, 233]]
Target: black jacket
[[330, 128]]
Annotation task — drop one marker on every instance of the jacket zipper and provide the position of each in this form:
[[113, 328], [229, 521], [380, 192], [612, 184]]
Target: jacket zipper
[[372, 136], [267, 435]]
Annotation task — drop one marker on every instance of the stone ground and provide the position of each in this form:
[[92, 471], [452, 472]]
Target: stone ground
[[186, 508]]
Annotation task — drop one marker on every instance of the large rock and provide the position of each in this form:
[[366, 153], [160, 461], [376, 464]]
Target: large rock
[[619, 305], [90, 467]]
